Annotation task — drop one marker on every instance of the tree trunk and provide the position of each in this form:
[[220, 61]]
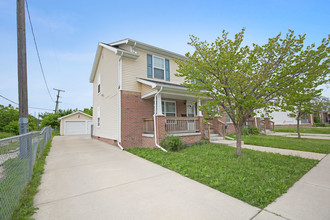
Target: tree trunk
[[298, 128], [239, 141]]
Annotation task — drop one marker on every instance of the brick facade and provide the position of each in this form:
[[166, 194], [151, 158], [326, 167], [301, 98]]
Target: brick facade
[[133, 111], [106, 140]]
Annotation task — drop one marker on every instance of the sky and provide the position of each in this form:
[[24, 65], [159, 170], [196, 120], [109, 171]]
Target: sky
[[67, 34]]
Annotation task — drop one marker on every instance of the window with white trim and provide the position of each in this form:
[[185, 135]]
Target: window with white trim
[[228, 119], [169, 110], [99, 83], [98, 117], [158, 67]]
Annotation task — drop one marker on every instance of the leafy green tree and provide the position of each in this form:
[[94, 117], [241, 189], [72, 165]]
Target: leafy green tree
[[88, 111], [7, 114], [242, 79], [50, 119]]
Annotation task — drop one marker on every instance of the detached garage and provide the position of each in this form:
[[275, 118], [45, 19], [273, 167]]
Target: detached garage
[[76, 123]]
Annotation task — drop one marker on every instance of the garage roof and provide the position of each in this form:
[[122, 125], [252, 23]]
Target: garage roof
[[74, 113]]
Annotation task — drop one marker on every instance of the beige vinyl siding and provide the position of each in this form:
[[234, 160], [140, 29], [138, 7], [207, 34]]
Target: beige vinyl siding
[[133, 69], [74, 117], [146, 89], [107, 99]]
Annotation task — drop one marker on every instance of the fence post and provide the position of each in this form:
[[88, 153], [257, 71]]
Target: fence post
[[30, 152]]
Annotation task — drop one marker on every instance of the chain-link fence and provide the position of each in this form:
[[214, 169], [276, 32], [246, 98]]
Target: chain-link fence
[[17, 157]]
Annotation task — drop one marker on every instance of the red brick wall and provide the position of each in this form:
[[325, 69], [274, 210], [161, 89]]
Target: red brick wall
[[148, 142], [106, 140], [191, 139], [133, 111]]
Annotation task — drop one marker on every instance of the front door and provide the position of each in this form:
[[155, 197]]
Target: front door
[[191, 113]]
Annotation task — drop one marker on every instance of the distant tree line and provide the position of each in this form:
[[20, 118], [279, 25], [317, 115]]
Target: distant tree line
[[9, 119]]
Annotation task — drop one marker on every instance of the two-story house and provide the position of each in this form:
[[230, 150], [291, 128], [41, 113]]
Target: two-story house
[[137, 98]]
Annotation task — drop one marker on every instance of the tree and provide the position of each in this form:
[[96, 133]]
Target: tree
[[7, 114], [242, 79], [300, 103]]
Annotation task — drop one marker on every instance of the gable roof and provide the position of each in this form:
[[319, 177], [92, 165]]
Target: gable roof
[[148, 47], [117, 51], [78, 112]]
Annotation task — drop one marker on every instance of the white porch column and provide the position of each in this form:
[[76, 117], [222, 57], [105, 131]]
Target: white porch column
[[159, 110], [199, 113]]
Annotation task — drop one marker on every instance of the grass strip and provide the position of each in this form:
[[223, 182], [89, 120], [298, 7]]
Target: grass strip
[[311, 130], [301, 144], [25, 208], [257, 178]]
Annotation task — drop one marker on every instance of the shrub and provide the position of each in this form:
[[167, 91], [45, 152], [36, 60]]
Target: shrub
[[319, 125], [250, 130], [172, 143]]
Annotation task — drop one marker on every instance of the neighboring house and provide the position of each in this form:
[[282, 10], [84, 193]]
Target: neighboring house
[[76, 123], [281, 118], [138, 100]]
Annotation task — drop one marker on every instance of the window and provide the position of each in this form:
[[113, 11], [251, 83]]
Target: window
[[228, 119], [158, 67], [169, 108], [98, 116], [99, 83]]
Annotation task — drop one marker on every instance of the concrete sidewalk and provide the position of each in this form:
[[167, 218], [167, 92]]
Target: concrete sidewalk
[[88, 179], [303, 154], [303, 135]]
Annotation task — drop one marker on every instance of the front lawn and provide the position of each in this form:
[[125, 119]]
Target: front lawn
[[257, 178], [312, 130], [302, 144]]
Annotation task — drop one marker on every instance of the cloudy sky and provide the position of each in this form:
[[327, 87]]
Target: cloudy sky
[[67, 34]]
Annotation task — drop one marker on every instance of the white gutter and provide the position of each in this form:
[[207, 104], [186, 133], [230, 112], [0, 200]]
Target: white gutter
[[119, 100], [155, 127]]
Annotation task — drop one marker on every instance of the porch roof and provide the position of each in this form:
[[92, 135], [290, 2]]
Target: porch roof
[[170, 90]]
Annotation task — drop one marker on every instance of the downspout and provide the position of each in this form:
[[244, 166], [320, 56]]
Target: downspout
[[119, 100], [155, 127]]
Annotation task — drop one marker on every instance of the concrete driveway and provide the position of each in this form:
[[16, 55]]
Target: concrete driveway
[[89, 179]]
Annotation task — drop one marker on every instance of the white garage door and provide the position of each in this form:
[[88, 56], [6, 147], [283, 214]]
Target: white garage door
[[75, 127]]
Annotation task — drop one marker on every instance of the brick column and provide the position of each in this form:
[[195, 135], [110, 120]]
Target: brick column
[[201, 126], [267, 123], [160, 125]]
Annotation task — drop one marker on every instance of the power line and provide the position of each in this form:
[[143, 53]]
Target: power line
[[36, 46], [9, 100]]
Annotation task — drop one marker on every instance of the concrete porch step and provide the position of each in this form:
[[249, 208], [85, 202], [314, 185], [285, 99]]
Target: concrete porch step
[[216, 138]]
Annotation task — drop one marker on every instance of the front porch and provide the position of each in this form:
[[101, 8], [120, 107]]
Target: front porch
[[175, 125], [175, 112]]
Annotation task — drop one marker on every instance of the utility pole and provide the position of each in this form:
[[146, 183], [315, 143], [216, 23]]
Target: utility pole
[[22, 69], [58, 96]]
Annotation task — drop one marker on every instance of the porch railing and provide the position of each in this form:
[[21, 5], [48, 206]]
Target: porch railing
[[181, 124]]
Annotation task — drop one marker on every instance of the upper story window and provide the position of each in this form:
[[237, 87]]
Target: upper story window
[[228, 119], [99, 83], [158, 67]]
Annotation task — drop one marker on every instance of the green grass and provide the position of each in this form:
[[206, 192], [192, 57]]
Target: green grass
[[312, 130], [25, 208], [5, 134], [302, 144], [257, 178], [9, 147]]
